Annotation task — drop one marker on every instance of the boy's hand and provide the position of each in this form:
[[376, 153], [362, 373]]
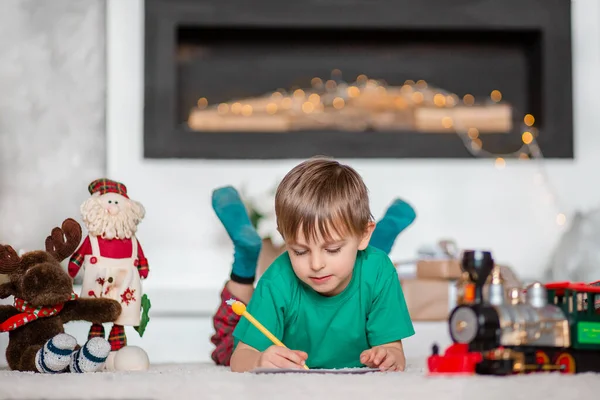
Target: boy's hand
[[282, 357], [386, 358]]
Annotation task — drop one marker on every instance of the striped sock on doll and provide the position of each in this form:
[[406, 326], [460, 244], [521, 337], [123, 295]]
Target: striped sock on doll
[[55, 356], [91, 357]]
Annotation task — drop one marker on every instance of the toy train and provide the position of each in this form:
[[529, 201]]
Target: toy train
[[544, 327]]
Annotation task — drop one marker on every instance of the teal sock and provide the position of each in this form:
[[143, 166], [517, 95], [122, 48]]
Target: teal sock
[[397, 218], [246, 242]]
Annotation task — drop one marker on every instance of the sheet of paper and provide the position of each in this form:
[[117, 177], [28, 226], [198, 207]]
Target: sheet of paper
[[314, 371]]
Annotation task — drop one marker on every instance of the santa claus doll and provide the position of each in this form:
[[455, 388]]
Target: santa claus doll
[[112, 258]]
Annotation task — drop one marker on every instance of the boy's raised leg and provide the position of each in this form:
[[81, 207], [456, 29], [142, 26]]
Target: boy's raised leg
[[246, 242], [397, 218], [247, 245]]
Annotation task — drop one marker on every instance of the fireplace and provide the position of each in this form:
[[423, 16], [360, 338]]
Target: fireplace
[[357, 79]]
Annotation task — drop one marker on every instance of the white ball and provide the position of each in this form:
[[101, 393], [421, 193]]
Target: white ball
[[131, 358]]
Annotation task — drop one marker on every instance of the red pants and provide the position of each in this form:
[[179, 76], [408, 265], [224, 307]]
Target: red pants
[[224, 322]]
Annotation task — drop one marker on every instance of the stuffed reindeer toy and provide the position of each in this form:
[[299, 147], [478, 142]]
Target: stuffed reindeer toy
[[43, 302]]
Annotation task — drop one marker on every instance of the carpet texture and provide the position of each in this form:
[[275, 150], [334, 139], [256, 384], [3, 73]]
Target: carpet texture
[[206, 381]]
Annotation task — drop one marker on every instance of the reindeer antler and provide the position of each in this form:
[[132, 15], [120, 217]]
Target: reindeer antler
[[62, 242], [9, 259]]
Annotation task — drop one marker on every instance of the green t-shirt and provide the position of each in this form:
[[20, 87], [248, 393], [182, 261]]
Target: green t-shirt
[[335, 330]]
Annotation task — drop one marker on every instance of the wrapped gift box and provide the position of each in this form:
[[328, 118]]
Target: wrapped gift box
[[448, 269], [433, 299], [429, 299]]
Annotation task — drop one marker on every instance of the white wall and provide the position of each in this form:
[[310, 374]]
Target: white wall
[[52, 86], [52, 132], [468, 200]]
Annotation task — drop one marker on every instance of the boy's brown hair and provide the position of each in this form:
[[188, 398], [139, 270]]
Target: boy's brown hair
[[320, 195]]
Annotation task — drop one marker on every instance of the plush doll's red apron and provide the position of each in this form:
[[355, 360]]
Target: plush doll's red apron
[[112, 258]]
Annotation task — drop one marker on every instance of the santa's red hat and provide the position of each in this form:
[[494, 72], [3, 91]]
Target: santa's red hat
[[104, 185]]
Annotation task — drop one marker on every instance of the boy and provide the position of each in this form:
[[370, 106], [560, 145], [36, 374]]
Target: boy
[[331, 298]]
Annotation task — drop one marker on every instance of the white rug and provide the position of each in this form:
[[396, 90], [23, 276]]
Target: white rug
[[206, 381]]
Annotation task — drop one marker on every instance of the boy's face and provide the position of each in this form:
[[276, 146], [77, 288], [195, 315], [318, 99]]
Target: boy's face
[[326, 266]]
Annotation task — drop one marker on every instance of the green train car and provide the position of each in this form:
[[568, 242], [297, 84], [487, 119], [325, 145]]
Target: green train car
[[580, 304]]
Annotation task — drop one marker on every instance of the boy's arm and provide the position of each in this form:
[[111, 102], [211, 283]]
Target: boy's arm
[[244, 358], [387, 357], [389, 320], [267, 306]]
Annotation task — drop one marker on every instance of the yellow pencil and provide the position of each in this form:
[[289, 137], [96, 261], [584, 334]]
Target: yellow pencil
[[240, 309]]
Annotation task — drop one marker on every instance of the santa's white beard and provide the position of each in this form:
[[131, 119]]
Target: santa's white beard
[[100, 222]]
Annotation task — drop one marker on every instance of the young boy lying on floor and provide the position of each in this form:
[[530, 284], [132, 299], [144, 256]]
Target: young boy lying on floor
[[334, 297]]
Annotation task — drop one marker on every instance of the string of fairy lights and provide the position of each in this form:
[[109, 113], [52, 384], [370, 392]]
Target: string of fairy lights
[[336, 93], [529, 150]]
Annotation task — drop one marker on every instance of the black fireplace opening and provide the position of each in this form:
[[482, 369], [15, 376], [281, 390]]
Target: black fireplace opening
[[292, 89]]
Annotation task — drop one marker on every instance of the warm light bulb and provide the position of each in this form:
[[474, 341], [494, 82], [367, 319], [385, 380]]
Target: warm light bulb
[[451, 100], [314, 98], [473, 133], [353, 91], [308, 107], [447, 122], [527, 137], [439, 100], [223, 108], [500, 163], [299, 93], [247, 110], [417, 97], [496, 96], [236, 108], [561, 219], [202, 102], [286, 103], [338, 103], [529, 120], [271, 108]]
